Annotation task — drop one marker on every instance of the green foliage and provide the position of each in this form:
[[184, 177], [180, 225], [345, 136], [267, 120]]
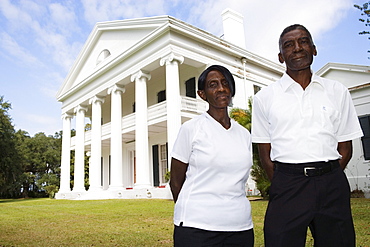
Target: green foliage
[[10, 168], [51, 190], [30, 166], [86, 162], [259, 175], [72, 170], [365, 18], [167, 176], [244, 118], [87, 126], [40, 161]]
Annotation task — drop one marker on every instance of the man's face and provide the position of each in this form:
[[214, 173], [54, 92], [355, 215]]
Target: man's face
[[297, 50]]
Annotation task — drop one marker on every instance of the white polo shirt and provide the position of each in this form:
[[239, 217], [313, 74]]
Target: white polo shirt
[[213, 195], [304, 125]]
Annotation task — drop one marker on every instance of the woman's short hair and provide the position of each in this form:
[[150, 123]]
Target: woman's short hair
[[225, 72]]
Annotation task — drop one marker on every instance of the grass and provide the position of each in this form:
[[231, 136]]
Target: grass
[[46, 222]]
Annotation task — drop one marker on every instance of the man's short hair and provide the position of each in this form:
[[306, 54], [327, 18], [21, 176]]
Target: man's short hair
[[224, 71], [294, 27]]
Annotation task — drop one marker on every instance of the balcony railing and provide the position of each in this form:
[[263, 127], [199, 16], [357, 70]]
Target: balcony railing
[[193, 105], [156, 113]]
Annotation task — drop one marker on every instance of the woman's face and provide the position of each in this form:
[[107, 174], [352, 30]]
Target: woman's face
[[216, 90]]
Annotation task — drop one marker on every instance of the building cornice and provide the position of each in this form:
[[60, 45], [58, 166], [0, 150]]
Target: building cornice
[[344, 67], [365, 85]]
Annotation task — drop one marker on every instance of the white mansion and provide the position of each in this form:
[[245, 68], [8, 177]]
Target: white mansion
[[135, 81]]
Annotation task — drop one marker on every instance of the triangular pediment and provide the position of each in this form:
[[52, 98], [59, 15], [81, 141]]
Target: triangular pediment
[[107, 41]]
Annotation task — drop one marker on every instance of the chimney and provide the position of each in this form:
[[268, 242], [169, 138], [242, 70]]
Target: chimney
[[233, 27]]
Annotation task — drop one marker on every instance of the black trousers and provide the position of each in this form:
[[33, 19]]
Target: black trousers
[[194, 237], [321, 203]]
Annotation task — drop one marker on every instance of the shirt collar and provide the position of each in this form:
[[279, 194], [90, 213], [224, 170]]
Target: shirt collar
[[287, 81]]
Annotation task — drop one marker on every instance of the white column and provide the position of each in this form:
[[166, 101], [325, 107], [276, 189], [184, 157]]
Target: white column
[[116, 173], [96, 147], [66, 154], [172, 97], [141, 133], [79, 176]]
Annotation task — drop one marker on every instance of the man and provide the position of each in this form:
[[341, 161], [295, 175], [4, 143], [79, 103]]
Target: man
[[304, 126]]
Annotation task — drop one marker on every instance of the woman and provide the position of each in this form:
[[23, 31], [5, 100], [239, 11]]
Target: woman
[[210, 164]]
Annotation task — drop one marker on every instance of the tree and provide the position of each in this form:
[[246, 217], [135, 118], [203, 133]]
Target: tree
[[40, 160], [29, 166], [365, 13], [10, 169], [49, 173], [244, 117], [22, 140]]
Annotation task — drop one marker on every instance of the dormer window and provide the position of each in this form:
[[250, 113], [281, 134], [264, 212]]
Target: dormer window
[[103, 55]]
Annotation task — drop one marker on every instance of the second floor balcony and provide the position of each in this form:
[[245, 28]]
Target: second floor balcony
[[157, 120]]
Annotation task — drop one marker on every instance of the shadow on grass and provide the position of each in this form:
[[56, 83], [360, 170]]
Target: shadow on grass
[[20, 200]]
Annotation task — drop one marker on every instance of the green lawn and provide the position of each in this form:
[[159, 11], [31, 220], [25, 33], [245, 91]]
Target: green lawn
[[46, 222]]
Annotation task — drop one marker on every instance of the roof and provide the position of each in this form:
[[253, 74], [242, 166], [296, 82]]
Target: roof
[[350, 75], [125, 38]]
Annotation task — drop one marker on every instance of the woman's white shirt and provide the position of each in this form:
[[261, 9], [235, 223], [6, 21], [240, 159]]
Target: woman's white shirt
[[213, 195]]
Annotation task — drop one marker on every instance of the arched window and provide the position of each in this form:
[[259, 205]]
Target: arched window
[[103, 55]]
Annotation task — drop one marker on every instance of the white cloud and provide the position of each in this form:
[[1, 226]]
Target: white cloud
[[63, 19], [97, 11], [17, 53], [207, 15], [13, 14], [36, 9], [264, 20], [318, 16], [52, 26]]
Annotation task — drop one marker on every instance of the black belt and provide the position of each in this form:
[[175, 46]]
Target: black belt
[[310, 169]]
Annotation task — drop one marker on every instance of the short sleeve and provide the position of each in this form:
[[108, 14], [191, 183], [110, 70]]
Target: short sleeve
[[349, 126], [183, 145], [260, 123]]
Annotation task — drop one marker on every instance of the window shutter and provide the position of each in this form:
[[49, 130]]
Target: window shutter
[[365, 125], [190, 88], [155, 165]]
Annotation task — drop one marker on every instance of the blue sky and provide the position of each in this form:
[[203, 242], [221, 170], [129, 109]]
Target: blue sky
[[40, 39]]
